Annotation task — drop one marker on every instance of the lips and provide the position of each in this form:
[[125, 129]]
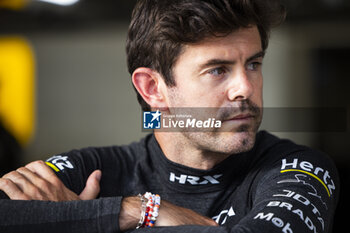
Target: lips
[[241, 117]]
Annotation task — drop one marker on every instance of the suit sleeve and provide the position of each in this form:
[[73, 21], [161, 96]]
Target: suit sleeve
[[296, 193], [73, 168]]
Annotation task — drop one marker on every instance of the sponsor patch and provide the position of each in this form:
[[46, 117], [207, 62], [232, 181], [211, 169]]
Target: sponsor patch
[[59, 163], [318, 173], [194, 180]]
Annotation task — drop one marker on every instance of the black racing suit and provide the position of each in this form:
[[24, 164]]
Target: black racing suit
[[278, 186]]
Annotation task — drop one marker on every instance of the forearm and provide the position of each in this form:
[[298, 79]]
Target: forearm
[[99, 215], [169, 215], [184, 229]]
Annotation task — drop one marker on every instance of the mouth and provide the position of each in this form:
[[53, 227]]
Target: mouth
[[241, 118]]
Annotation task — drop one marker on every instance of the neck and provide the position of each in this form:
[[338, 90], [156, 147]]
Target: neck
[[177, 148]]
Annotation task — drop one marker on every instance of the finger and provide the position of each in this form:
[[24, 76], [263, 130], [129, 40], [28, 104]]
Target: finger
[[31, 176], [12, 190], [27, 187], [92, 188], [18, 179], [36, 182], [43, 171]]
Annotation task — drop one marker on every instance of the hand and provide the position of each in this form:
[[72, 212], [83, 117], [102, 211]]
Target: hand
[[169, 215], [36, 181]]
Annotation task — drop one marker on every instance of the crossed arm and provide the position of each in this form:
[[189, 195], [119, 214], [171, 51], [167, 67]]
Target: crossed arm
[[36, 181], [281, 201]]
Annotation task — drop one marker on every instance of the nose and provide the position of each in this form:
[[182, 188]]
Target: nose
[[240, 86]]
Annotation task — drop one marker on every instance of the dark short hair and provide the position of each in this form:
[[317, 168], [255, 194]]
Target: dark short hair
[[159, 29]]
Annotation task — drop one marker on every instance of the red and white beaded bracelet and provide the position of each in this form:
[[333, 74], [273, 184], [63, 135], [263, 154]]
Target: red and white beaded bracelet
[[149, 210]]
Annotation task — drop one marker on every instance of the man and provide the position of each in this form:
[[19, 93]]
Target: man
[[185, 54]]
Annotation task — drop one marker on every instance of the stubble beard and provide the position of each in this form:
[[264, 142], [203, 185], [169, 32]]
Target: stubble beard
[[239, 140], [227, 143]]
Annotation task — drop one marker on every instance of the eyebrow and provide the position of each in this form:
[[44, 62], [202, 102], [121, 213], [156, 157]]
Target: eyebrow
[[213, 62], [260, 54]]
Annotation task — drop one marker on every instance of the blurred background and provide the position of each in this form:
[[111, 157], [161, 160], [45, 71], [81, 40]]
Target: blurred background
[[64, 82]]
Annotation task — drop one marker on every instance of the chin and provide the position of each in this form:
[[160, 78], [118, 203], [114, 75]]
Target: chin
[[223, 142], [236, 142]]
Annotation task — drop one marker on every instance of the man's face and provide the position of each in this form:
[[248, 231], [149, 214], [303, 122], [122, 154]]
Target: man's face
[[222, 73]]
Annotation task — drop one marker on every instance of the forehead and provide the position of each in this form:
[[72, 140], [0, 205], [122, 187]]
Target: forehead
[[241, 43]]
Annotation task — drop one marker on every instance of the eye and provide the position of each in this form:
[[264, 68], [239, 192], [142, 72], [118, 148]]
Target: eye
[[253, 66], [219, 71]]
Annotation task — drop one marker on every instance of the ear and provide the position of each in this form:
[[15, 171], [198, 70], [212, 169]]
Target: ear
[[149, 84]]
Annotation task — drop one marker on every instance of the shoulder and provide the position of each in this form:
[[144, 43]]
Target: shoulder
[[271, 150], [283, 159], [293, 182]]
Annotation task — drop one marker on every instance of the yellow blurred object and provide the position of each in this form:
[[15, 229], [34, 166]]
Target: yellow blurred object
[[13, 4], [17, 87]]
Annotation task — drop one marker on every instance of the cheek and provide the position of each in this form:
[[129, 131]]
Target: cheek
[[206, 98], [222, 95], [216, 98], [258, 93]]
